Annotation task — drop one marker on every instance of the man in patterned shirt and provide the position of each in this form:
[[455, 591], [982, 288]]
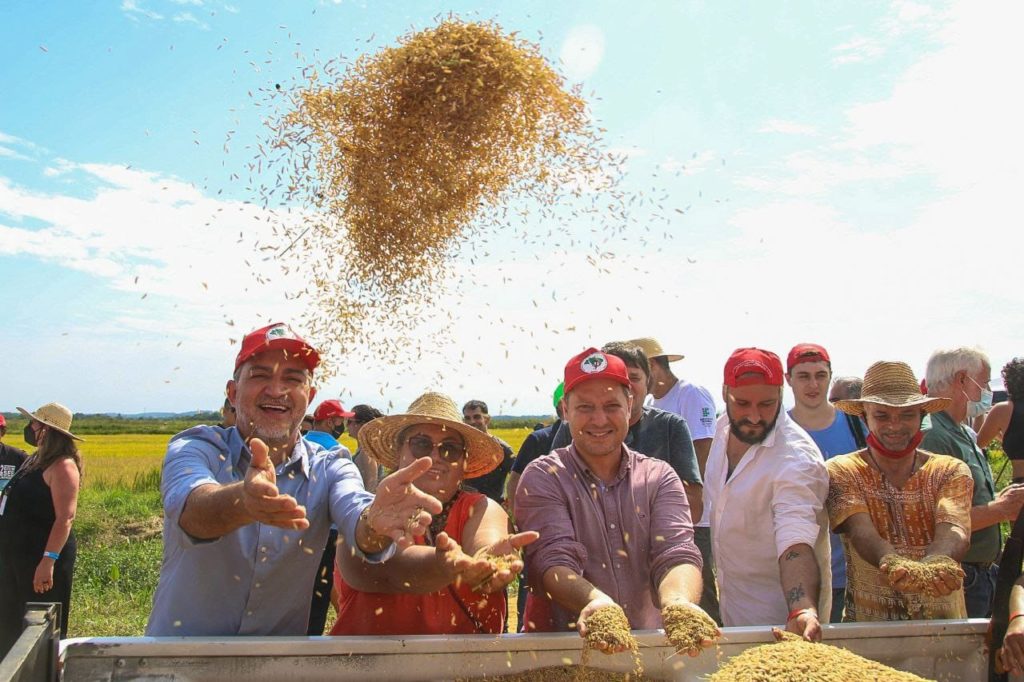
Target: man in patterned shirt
[[892, 500]]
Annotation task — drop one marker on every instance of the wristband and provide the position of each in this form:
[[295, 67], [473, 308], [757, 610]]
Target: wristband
[[1018, 614], [796, 612], [51, 555]]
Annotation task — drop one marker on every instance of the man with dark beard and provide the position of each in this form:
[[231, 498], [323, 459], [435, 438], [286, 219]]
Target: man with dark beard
[[766, 485], [247, 509]]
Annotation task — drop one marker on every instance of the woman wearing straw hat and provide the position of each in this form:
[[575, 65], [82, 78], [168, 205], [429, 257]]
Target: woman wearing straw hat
[[37, 509], [904, 514], [457, 585]]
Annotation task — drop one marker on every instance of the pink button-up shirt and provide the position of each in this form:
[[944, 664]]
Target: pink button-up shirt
[[622, 536]]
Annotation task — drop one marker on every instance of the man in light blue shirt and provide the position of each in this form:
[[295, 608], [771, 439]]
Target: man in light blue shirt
[[247, 509], [809, 373]]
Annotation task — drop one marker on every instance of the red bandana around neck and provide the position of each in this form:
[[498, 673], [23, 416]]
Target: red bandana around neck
[[894, 454]]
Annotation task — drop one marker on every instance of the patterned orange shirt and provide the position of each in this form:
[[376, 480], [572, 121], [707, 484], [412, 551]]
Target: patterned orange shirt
[[939, 492]]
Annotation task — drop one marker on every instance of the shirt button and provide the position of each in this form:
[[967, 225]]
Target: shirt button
[[612, 526]]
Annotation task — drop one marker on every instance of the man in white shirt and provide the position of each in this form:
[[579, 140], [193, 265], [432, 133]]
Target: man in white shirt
[[696, 406], [766, 484]]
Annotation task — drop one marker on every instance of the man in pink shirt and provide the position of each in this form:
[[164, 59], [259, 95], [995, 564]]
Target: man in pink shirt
[[614, 525]]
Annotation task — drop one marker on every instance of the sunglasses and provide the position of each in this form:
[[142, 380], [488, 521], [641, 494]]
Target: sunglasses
[[422, 446]]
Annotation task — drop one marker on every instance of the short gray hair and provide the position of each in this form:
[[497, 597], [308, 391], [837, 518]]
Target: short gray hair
[[847, 388], [946, 362]]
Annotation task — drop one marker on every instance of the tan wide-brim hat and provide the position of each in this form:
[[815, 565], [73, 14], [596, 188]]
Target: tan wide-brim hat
[[54, 415], [653, 349], [891, 384], [379, 438]]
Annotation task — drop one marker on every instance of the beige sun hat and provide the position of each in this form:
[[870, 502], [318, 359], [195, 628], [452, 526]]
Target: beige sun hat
[[892, 384], [379, 437], [653, 349], [54, 415]]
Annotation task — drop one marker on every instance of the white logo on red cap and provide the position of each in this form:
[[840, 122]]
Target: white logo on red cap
[[594, 363], [279, 332]]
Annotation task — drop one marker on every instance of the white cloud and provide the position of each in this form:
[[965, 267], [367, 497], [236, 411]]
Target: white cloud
[[189, 18], [697, 163], [194, 3], [134, 10], [582, 51]]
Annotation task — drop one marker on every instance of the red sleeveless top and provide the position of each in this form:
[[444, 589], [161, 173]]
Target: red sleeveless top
[[439, 613]]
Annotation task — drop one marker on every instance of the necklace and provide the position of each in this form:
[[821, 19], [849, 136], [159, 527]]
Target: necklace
[[913, 465], [439, 521]]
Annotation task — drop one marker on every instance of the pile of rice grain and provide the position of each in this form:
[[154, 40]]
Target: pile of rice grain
[[922, 574], [686, 628], [609, 627], [801, 661]]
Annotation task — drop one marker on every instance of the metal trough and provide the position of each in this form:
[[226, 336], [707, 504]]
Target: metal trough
[[938, 650]]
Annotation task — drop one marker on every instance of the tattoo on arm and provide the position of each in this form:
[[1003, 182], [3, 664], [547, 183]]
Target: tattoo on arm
[[795, 594], [792, 554]]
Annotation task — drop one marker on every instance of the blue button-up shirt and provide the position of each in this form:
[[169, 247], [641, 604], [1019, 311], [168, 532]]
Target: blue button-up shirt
[[257, 579]]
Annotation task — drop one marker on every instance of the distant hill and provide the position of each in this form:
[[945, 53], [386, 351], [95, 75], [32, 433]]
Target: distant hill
[[174, 422]]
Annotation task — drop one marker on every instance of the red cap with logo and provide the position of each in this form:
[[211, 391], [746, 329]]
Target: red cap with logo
[[761, 366], [594, 364], [806, 352], [331, 408], [277, 336]]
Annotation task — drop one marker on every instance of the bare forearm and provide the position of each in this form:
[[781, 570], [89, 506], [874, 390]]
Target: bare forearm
[[681, 583], [59, 534], [949, 540], [212, 511], [702, 446], [695, 496], [1017, 596], [865, 539], [985, 515], [800, 577], [569, 589], [414, 570]]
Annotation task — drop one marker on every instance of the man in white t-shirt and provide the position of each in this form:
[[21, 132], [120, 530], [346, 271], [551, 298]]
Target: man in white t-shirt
[[767, 484], [696, 406]]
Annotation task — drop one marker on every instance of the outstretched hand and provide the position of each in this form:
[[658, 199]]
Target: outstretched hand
[[400, 511], [260, 497], [503, 560]]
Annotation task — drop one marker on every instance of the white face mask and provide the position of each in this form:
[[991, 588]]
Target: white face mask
[[976, 408]]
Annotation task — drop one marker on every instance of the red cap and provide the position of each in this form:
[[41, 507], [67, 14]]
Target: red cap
[[331, 408], [753, 361], [273, 337], [593, 364], [3, 422], [806, 352]]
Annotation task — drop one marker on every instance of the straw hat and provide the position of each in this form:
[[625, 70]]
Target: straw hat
[[891, 384], [54, 415], [379, 438], [653, 349]]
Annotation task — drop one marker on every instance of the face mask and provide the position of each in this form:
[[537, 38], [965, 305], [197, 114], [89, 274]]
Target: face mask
[[976, 408], [29, 434]]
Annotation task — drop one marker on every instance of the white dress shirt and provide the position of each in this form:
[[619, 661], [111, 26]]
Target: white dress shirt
[[774, 499]]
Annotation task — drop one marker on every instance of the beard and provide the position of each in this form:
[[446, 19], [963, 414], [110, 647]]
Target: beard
[[267, 432], [735, 428]]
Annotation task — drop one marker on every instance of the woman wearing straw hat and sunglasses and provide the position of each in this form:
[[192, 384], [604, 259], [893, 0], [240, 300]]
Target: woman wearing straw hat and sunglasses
[[457, 585], [37, 509]]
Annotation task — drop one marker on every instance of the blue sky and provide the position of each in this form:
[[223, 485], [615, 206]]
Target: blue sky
[[847, 174]]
